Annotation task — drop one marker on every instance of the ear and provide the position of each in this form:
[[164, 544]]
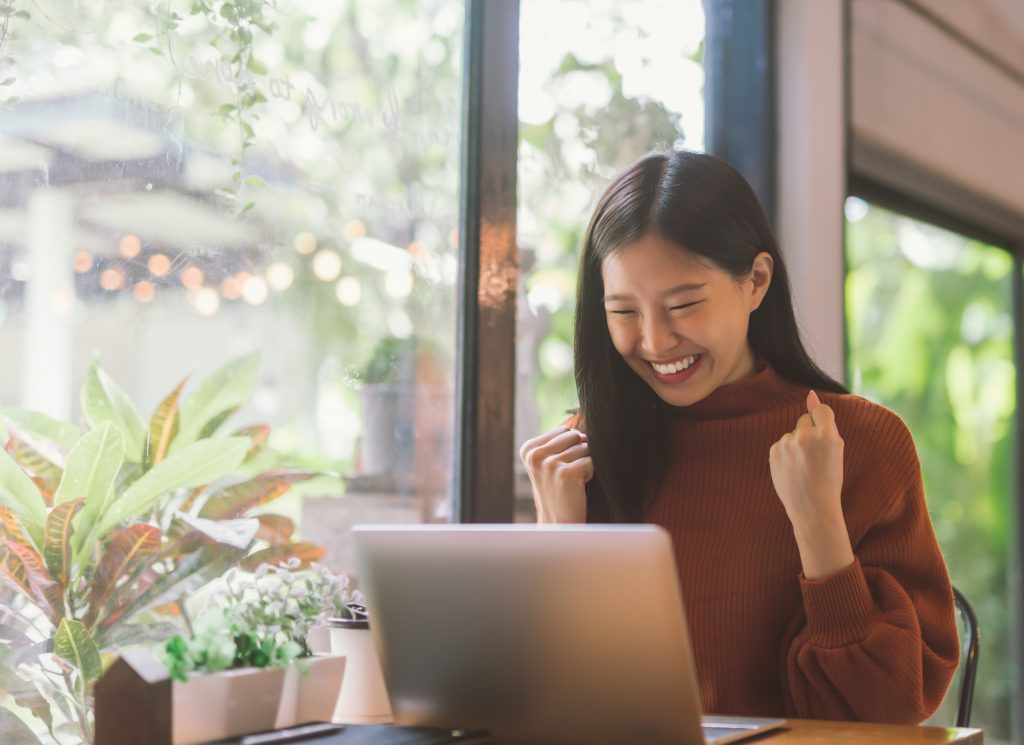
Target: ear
[[761, 276]]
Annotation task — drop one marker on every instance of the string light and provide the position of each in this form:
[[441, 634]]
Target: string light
[[144, 291], [305, 243], [130, 246], [230, 289], [192, 278], [112, 279], [327, 265], [205, 300], [353, 230], [280, 276], [254, 291], [82, 262], [158, 265], [348, 290]]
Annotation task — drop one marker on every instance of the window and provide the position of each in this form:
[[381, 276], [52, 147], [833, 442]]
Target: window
[[200, 183], [930, 324], [600, 84], [186, 184]]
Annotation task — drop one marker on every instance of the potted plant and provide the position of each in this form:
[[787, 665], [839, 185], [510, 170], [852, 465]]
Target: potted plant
[[388, 399], [103, 532], [364, 696], [248, 666]]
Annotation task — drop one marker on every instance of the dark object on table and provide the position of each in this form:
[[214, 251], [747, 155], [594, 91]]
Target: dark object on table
[[358, 734]]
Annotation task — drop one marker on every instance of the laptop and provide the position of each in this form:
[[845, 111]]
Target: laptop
[[554, 635]]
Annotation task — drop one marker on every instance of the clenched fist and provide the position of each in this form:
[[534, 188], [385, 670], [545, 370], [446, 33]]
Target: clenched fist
[[559, 465], [807, 471]]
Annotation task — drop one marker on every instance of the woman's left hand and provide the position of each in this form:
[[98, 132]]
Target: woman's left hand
[[807, 470]]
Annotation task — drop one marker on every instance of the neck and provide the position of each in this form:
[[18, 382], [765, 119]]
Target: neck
[[745, 366]]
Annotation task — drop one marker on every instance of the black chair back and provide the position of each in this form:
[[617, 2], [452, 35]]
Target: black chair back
[[970, 661]]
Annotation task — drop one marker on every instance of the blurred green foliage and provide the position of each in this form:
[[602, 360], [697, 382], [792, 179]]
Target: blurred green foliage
[[930, 331], [598, 123]]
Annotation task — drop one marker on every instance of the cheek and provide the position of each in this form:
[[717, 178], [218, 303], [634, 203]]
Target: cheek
[[622, 338]]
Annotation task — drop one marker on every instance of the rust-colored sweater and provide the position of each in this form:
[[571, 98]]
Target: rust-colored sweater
[[875, 642]]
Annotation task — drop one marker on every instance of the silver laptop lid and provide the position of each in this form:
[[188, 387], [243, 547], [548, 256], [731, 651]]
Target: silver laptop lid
[[540, 634]]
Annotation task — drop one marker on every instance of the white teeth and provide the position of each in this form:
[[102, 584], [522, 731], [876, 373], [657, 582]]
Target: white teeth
[[674, 367]]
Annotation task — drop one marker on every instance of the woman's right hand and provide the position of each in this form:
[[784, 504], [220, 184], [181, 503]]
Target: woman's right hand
[[559, 465]]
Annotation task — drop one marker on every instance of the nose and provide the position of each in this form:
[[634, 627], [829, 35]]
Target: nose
[[657, 336]]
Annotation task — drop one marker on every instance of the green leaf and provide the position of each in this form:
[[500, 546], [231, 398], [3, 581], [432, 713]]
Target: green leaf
[[163, 427], [23, 14], [28, 456], [8, 81], [227, 387], [257, 67], [255, 181], [104, 401], [134, 634], [74, 644], [127, 549], [10, 528], [275, 529], [216, 423], [41, 426], [92, 468], [198, 560], [199, 463], [307, 553], [18, 493], [235, 533], [27, 695], [57, 544], [14, 730], [25, 567], [259, 434], [236, 500], [142, 38]]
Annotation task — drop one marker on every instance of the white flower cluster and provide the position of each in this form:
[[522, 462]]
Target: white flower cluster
[[284, 603]]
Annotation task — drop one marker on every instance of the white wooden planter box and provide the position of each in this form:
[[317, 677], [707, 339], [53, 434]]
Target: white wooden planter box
[[238, 702]]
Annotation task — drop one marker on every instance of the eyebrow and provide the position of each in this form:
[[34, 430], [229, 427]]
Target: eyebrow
[[671, 291]]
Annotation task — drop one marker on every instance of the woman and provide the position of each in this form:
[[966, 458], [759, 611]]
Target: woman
[[813, 582]]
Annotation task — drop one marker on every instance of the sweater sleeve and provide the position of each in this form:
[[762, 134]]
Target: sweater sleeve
[[877, 641]]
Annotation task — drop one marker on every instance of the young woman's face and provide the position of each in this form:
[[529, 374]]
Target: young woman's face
[[679, 321]]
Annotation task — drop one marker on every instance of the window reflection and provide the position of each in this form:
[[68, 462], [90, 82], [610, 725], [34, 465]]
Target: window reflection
[[600, 84], [183, 184]]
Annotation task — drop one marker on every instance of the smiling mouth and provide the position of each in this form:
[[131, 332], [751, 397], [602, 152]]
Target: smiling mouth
[[676, 371]]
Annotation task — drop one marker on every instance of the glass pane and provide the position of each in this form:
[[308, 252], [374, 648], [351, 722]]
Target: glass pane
[[930, 326], [187, 183], [600, 84]]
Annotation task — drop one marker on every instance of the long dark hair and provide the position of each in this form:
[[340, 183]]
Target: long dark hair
[[699, 202]]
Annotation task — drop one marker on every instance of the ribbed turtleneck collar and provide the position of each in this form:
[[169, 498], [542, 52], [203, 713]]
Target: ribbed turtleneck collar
[[761, 392]]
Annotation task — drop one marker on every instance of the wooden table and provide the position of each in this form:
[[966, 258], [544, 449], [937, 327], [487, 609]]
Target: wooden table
[[809, 732]]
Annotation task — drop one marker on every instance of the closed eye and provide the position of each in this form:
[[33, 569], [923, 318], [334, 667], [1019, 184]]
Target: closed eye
[[686, 305]]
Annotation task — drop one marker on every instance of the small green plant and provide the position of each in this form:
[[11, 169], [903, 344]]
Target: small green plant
[[236, 24], [392, 360], [260, 621]]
